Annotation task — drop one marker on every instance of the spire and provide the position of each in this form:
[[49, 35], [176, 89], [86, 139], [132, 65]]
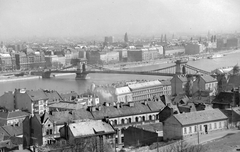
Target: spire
[[126, 37]]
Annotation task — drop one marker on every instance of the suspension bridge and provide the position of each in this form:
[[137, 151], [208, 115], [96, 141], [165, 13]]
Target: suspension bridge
[[83, 69]]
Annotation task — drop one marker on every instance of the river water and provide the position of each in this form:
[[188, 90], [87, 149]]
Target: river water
[[68, 83]]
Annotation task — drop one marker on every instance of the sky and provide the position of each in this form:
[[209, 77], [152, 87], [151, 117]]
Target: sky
[[22, 18]]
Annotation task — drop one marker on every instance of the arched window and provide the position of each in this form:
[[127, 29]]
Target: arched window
[[150, 117], [122, 121], [153, 117], [157, 116], [136, 119], [115, 122], [143, 118], [129, 120]]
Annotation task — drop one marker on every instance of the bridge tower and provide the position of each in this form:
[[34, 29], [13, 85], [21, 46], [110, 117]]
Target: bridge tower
[[179, 65], [81, 69]]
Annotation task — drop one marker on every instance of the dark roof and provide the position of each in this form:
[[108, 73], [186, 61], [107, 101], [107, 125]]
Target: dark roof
[[224, 98], [234, 81], [151, 127], [190, 107], [200, 116], [53, 96], [208, 78], [61, 117], [81, 114], [37, 95], [13, 131], [125, 110], [13, 114]]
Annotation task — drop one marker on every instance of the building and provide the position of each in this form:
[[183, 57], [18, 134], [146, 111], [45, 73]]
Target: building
[[12, 118], [178, 84], [181, 126], [193, 48], [169, 51], [109, 57], [123, 95], [205, 82], [55, 61], [143, 135], [146, 90], [232, 43], [233, 115], [167, 88], [93, 57], [6, 62], [134, 55], [39, 130]]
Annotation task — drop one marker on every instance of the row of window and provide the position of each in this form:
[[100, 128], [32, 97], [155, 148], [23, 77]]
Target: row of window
[[147, 91], [203, 128], [137, 119]]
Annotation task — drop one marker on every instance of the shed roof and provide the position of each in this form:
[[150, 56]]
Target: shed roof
[[90, 128], [200, 116]]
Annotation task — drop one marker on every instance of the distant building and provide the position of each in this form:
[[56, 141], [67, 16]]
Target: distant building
[[123, 95], [178, 84], [109, 57], [126, 38], [205, 82], [182, 126], [146, 90], [7, 62], [232, 43], [192, 48]]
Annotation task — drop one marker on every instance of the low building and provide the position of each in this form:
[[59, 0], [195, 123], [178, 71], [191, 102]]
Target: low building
[[92, 134], [181, 126], [146, 90], [123, 95], [12, 118], [143, 135]]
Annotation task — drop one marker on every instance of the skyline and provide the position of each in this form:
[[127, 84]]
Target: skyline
[[110, 17]]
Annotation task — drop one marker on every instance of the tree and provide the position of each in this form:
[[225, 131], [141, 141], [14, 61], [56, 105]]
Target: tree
[[189, 86], [182, 146], [236, 70]]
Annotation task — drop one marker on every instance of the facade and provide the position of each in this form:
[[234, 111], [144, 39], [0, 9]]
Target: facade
[[178, 84], [181, 126], [109, 57], [146, 90], [191, 49], [12, 118], [205, 82], [39, 130], [7, 62], [173, 50], [134, 55], [167, 88], [93, 57], [123, 95]]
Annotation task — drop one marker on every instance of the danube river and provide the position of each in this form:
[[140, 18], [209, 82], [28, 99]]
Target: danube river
[[68, 83]]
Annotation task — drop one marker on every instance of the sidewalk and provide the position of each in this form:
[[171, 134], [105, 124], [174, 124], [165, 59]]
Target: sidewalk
[[203, 139]]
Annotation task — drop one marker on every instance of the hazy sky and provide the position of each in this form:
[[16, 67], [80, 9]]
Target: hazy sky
[[112, 17]]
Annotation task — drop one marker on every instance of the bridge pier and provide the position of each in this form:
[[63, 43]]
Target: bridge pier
[[46, 75], [81, 76]]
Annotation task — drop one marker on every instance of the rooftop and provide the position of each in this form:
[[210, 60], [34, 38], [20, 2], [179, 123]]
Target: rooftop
[[151, 127], [13, 114], [36, 95], [89, 128], [122, 90], [208, 78], [145, 84], [200, 116]]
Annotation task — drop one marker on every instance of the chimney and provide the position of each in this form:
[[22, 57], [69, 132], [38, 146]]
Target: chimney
[[131, 104], [145, 102]]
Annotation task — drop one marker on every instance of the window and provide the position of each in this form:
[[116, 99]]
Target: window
[[195, 128], [150, 117], [220, 125], [190, 129], [115, 122], [215, 125], [210, 126], [136, 119], [143, 118], [129, 120], [122, 121], [200, 127], [185, 130]]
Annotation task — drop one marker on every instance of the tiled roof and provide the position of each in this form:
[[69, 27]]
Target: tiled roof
[[200, 116], [151, 127], [61, 117], [122, 90], [90, 128], [208, 78], [156, 105], [13, 131], [183, 78], [37, 95], [3, 132], [53, 96], [144, 85], [13, 114], [81, 114], [69, 106], [234, 81]]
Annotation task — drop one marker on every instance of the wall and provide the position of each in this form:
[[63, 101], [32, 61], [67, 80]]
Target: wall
[[23, 101], [172, 129], [177, 85], [136, 137]]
